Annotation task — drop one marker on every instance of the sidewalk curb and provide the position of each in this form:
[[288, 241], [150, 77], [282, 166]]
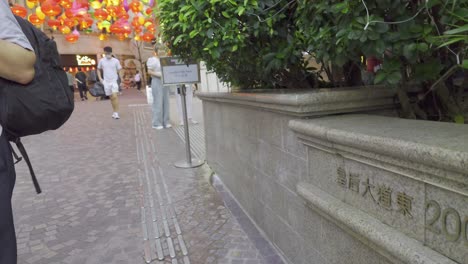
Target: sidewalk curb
[[270, 253]]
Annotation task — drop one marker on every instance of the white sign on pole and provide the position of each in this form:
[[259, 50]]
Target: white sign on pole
[[176, 71]]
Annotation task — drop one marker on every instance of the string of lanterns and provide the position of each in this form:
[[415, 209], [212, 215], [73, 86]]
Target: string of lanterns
[[119, 17]]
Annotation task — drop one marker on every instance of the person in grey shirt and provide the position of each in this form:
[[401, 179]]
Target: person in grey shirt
[[16, 64]]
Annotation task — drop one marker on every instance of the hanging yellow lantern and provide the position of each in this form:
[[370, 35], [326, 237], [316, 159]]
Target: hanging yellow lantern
[[137, 37], [96, 5], [30, 4], [141, 20], [39, 13], [102, 37]]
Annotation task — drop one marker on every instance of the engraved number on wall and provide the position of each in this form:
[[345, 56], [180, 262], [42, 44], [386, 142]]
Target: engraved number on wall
[[453, 225]]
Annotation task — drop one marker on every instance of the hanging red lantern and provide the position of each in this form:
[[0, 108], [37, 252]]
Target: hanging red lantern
[[112, 10], [135, 22], [151, 28], [135, 6], [72, 38], [65, 3], [86, 22], [149, 11], [101, 14], [53, 23], [19, 10], [115, 28], [148, 37], [138, 29], [69, 22], [35, 20], [69, 13], [50, 8]]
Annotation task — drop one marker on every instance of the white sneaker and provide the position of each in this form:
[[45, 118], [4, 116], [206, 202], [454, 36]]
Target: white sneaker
[[168, 126], [115, 115], [158, 127]]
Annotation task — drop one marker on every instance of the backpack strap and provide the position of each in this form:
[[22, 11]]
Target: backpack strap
[[23, 152]]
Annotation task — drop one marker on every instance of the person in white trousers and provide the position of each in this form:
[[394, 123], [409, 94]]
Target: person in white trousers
[[189, 99]]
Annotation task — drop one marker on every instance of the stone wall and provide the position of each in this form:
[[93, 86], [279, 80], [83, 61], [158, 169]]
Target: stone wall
[[399, 186], [261, 161]]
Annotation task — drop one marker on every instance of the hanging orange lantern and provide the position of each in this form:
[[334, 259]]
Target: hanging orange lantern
[[72, 38], [148, 37], [19, 10], [101, 14], [35, 20], [53, 23], [64, 29]]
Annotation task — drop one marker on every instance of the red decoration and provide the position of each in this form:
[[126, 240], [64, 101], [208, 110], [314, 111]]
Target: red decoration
[[19, 10], [50, 8]]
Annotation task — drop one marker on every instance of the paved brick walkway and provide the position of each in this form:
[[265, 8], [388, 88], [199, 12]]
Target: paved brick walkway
[[112, 195]]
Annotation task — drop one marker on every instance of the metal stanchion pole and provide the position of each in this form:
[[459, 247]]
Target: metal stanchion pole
[[189, 162]]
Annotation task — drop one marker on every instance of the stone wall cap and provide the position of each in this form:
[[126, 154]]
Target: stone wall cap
[[304, 97], [439, 144], [311, 102]]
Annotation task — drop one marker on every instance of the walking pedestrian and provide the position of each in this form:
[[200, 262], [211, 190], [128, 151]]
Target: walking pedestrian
[[110, 67], [16, 64], [71, 81], [160, 92], [82, 87], [137, 80]]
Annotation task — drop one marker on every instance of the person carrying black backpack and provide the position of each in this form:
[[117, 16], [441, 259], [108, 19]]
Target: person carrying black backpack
[[16, 64]]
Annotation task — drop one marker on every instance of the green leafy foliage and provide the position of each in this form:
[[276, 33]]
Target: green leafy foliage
[[261, 43]]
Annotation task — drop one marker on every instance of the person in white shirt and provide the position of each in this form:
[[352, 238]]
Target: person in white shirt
[[17, 60], [160, 92], [137, 80], [111, 69]]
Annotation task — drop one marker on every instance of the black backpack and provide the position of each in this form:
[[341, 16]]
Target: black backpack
[[44, 104]]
